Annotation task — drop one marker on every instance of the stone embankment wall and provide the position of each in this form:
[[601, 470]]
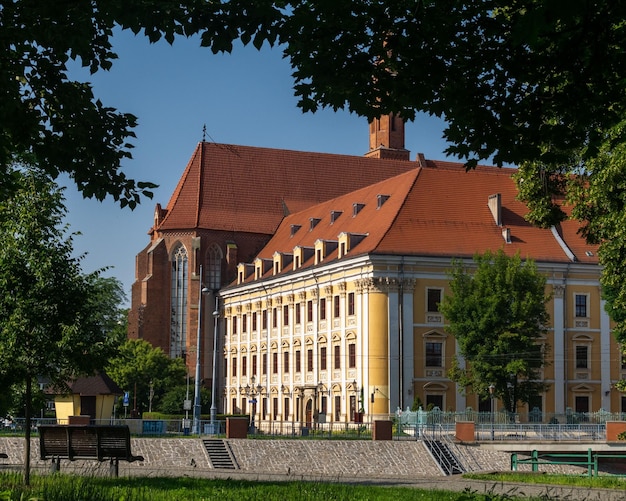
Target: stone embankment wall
[[324, 458]]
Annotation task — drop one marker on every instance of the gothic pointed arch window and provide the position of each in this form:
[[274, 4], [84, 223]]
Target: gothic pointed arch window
[[178, 301], [214, 268]]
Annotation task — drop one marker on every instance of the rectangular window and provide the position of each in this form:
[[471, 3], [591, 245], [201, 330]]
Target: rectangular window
[[285, 315], [244, 323], [254, 322], [264, 362], [234, 366], [275, 363], [309, 360], [351, 355], [433, 298], [337, 357], [274, 317], [323, 358], [309, 311], [582, 357], [336, 307], [286, 362], [244, 365], [351, 303], [234, 324], [298, 314], [286, 408], [264, 319], [298, 361], [323, 309], [254, 360], [581, 305], [434, 354]]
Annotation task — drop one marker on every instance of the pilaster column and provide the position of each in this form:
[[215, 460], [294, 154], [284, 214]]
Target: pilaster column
[[558, 315]]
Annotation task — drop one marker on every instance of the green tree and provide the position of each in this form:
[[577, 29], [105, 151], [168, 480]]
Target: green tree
[[139, 365], [497, 314], [173, 399], [50, 316]]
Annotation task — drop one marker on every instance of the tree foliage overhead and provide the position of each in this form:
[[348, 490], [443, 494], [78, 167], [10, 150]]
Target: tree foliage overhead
[[497, 314], [538, 83], [503, 74]]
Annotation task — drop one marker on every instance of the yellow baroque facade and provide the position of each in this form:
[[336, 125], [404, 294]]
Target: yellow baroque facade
[[338, 321]]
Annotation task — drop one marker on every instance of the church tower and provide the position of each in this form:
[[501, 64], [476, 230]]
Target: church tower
[[387, 138]]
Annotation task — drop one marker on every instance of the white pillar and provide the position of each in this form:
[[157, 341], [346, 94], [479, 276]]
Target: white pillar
[[559, 349], [461, 399], [407, 348], [605, 357]]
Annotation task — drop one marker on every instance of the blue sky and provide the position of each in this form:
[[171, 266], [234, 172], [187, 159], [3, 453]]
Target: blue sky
[[243, 98]]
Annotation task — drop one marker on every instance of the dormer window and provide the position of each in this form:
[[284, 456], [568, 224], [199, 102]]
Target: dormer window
[[314, 221], [334, 215], [381, 199], [295, 228], [356, 208]]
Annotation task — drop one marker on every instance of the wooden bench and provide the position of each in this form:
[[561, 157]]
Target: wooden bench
[[99, 442]]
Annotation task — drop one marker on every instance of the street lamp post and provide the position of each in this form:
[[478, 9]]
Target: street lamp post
[[251, 392], [216, 314], [197, 407], [491, 390]]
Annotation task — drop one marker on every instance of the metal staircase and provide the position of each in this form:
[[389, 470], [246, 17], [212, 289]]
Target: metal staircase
[[220, 454], [444, 457]]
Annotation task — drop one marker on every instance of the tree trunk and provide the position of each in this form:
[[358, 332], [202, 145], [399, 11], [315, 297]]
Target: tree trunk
[[27, 397]]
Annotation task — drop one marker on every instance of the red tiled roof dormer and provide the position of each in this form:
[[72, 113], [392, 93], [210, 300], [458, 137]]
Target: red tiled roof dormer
[[438, 210]]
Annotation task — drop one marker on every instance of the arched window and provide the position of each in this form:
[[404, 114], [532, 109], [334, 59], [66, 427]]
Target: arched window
[[178, 298], [214, 258]]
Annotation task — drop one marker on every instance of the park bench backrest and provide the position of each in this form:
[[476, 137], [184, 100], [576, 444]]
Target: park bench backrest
[[85, 442]]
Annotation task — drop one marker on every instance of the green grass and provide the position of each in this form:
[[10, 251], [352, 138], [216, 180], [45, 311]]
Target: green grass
[[601, 482], [62, 487]]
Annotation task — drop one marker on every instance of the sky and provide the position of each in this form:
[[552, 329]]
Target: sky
[[244, 98]]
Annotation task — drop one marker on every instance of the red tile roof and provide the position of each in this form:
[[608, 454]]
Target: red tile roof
[[250, 189], [436, 210]]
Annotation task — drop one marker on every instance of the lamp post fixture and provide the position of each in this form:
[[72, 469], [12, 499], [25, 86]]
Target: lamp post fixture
[[251, 392], [197, 407], [491, 390], [216, 314]]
